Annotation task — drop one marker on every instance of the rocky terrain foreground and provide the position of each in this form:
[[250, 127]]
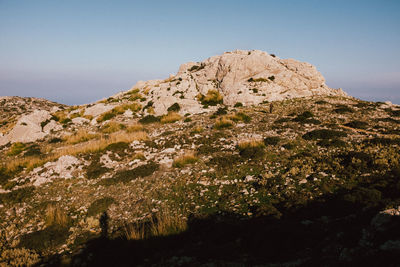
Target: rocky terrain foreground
[[243, 159]]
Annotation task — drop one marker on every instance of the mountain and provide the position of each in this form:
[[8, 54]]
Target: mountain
[[243, 159]]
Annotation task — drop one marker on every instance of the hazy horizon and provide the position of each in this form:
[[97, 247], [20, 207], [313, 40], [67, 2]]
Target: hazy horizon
[[78, 52]]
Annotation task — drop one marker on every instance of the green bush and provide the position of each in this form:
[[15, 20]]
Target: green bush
[[238, 104], [149, 119], [357, 124], [271, 78], [343, 109], [174, 107], [323, 134], [306, 117], [271, 140], [128, 175]]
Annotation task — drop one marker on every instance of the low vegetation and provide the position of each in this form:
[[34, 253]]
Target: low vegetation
[[185, 159]]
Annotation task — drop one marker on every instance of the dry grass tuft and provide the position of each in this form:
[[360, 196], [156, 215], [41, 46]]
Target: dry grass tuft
[[164, 223], [134, 128], [80, 136], [251, 143], [197, 129], [112, 127], [171, 117], [55, 216], [90, 146], [223, 122], [188, 158]]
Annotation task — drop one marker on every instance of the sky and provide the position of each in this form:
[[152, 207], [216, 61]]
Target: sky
[[77, 52]]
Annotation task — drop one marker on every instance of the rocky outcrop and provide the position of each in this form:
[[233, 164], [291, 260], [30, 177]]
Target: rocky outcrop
[[27, 129], [248, 77]]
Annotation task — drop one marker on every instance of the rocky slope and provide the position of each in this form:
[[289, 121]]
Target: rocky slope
[[223, 180]]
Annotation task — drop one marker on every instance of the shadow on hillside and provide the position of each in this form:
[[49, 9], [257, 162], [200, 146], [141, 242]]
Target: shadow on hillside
[[331, 231]]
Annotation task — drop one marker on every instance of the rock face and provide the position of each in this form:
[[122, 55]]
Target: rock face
[[248, 77], [27, 129]]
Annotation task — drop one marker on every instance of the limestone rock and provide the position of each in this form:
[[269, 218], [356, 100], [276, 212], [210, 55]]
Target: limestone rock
[[27, 129], [249, 77]]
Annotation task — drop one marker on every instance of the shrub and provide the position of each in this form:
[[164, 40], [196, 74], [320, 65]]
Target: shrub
[[100, 205], [323, 134], [149, 119], [271, 140], [221, 111], [257, 80], [187, 158], [343, 109], [174, 107], [255, 90], [251, 149], [128, 175], [357, 124], [271, 78], [332, 143], [212, 98], [171, 117], [95, 169], [197, 67], [223, 123], [238, 104], [321, 102], [32, 150], [306, 117], [187, 120]]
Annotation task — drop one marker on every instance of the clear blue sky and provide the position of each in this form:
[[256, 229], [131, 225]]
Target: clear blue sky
[[76, 52]]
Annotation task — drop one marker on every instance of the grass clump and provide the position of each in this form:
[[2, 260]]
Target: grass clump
[[106, 116], [149, 119], [55, 216], [19, 257], [100, 205], [112, 127], [212, 98], [163, 223], [174, 107], [171, 117], [323, 134], [251, 149], [16, 149], [185, 159], [238, 104], [134, 128], [223, 123], [80, 136], [240, 116], [197, 129]]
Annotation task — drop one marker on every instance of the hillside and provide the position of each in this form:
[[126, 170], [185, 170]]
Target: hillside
[[187, 171]]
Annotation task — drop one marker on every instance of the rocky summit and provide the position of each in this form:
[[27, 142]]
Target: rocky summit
[[243, 159]]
